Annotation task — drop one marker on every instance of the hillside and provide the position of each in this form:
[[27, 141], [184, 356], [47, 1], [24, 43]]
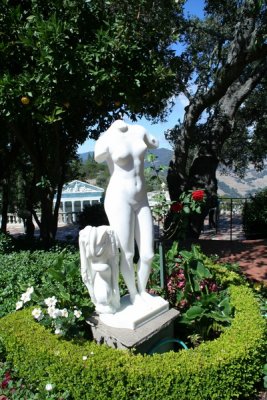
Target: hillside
[[233, 186], [229, 185]]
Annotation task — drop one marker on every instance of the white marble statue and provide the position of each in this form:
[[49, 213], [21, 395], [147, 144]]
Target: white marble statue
[[99, 267], [123, 147]]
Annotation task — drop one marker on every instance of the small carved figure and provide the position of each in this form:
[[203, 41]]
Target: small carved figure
[[99, 267]]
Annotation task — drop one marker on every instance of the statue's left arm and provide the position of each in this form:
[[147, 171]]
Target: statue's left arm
[[150, 141]]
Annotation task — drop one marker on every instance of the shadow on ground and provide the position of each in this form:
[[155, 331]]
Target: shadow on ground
[[251, 255]]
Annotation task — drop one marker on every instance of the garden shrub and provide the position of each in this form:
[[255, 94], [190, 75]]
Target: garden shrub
[[7, 244], [223, 369], [255, 215], [24, 269]]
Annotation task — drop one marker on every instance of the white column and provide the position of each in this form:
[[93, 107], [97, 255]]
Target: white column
[[72, 209], [64, 211]]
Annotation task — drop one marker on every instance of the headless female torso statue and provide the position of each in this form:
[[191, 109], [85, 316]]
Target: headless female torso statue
[[123, 147]]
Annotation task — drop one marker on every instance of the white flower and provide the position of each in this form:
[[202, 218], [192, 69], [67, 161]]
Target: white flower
[[163, 185], [50, 311], [19, 305], [84, 358], [25, 297], [53, 312], [77, 313], [58, 331], [64, 313], [51, 301], [48, 387], [37, 314], [92, 353], [30, 290]]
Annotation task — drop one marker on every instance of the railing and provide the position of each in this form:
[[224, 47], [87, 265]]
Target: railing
[[228, 219], [65, 218], [223, 221]]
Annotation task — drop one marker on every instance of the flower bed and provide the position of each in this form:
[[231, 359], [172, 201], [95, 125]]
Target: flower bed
[[225, 368]]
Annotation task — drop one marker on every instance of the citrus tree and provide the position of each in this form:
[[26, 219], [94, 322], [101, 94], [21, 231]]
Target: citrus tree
[[69, 67]]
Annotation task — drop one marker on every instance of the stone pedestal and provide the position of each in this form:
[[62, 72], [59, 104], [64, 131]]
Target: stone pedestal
[[142, 339], [132, 316]]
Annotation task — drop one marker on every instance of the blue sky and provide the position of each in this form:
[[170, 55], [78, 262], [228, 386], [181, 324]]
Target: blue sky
[[193, 7]]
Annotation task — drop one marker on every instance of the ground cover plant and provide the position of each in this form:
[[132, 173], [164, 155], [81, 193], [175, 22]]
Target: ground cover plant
[[37, 277]]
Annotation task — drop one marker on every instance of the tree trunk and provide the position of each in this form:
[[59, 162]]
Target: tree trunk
[[47, 230], [5, 201], [202, 175]]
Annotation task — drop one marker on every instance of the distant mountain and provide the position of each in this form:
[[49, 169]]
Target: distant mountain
[[233, 186], [228, 185], [163, 156], [85, 156]]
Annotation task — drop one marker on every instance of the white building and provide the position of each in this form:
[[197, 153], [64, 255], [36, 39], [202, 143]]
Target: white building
[[76, 195]]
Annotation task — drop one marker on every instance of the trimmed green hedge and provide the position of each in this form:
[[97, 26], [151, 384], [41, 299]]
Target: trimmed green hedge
[[226, 368]]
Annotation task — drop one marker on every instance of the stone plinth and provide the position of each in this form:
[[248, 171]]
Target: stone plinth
[[142, 339], [132, 316]]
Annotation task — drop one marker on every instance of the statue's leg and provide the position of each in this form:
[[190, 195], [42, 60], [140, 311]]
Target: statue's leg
[[121, 219], [144, 236]]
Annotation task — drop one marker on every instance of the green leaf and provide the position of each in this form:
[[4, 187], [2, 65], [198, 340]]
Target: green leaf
[[226, 306], [186, 210], [71, 269], [218, 316], [196, 285], [194, 312], [64, 295], [151, 157], [56, 275], [58, 262], [202, 271], [186, 254]]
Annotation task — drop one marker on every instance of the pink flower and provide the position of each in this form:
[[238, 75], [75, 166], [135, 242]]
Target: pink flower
[[213, 287], [7, 378], [181, 284], [183, 303], [198, 195]]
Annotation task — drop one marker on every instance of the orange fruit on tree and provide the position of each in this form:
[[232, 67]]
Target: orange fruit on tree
[[25, 100]]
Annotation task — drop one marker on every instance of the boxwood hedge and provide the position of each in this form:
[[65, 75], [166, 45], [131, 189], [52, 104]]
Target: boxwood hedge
[[226, 368]]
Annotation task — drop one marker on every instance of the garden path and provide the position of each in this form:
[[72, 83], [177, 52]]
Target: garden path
[[251, 255]]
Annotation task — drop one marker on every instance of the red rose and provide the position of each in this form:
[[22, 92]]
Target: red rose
[[176, 207], [198, 195]]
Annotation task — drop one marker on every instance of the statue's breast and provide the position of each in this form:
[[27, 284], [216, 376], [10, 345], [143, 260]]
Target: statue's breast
[[126, 150]]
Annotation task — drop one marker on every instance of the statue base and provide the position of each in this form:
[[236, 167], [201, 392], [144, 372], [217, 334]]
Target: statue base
[[142, 339], [132, 316]]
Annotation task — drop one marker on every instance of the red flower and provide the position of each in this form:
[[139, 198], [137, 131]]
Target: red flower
[[176, 207], [198, 195]]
